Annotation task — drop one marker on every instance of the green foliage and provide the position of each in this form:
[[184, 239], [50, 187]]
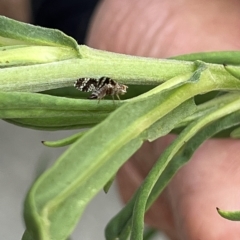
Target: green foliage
[[35, 59], [230, 215]]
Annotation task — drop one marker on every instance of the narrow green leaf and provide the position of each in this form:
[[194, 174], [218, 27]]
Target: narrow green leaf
[[230, 215], [49, 112], [13, 32], [50, 124], [65, 141], [223, 57], [24, 100]]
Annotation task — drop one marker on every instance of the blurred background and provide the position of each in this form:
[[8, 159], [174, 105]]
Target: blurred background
[[22, 155]]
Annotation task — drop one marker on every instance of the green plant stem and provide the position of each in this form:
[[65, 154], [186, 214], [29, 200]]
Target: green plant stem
[[126, 69], [95, 63]]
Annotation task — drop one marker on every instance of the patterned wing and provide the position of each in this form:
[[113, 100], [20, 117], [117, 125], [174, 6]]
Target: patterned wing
[[86, 84], [100, 87]]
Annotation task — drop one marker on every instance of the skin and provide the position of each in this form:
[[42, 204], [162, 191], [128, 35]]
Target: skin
[[187, 208]]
